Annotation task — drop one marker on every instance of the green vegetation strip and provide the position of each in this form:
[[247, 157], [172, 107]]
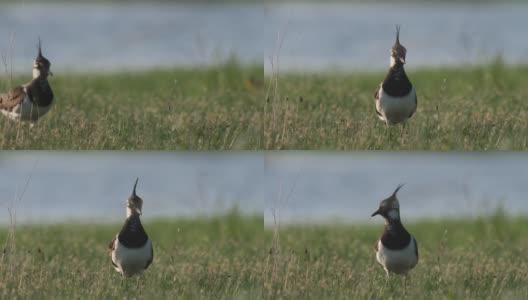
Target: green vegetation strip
[[209, 258], [210, 108], [472, 108], [232, 257], [466, 259], [235, 107]]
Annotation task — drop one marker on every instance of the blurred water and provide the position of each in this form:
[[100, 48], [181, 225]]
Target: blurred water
[[102, 37], [95, 185], [303, 187], [351, 36], [316, 187]]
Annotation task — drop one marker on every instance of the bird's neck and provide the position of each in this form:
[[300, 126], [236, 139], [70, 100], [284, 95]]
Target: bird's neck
[[396, 69], [396, 83], [39, 76], [39, 91], [391, 64], [395, 236], [36, 73], [395, 62], [133, 225], [134, 222], [131, 212], [133, 234], [392, 219], [394, 226]]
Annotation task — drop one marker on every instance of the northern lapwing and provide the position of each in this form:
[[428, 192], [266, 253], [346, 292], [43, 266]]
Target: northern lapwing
[[131, 249], [396, 250], [395, 98], [32, 100]]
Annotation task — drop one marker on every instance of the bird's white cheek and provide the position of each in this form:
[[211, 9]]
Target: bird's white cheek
[[393, 215], [392, 61], [36, 73]]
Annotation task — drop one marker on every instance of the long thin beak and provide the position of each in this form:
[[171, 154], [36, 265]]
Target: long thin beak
[[377, 212]]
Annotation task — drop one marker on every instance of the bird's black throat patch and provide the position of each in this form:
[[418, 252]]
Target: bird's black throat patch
[[396, 83], [133, 235], [395, 236]]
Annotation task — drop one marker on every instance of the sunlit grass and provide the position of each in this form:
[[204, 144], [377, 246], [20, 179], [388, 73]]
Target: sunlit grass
[[216, 258], [465, 259], [234, 107], [211, 108], [470, 108]]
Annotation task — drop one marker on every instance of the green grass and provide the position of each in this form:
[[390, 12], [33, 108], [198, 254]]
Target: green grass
[[231, 257], [213, 258], [234, 107], [470, 108], [483, 258], [226, 107], [212, 108]]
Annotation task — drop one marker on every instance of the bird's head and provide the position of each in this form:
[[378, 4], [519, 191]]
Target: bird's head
[[397, 52], [41, 65], [390, 207], [134, 203]]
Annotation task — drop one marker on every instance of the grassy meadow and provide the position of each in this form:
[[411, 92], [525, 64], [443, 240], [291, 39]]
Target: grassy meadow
[[182, 109], [483, 258], [235, 107], [469, 108], [210, 258]]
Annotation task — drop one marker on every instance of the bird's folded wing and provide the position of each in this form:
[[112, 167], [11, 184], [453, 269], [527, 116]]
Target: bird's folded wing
[[111, 246], [416, 250], [151, 257], [14, 97], [376, 98], [415, 106]]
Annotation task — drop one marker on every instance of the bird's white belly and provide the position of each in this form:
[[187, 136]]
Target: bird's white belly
[[131, 261], [26, 111], [397, 261], [395, 110]]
